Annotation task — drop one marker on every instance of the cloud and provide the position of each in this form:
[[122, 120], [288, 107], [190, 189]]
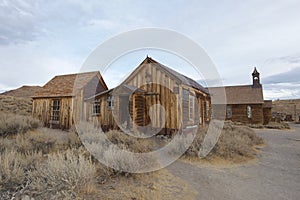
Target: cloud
[[27, 64], [19, 21], [291, 76], [282, 91]]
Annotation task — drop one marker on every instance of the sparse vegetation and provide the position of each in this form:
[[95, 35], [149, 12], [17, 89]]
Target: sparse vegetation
[[277, 125], [64, 175], [234, 143], [13, 124], [15, 105], [46, 163]]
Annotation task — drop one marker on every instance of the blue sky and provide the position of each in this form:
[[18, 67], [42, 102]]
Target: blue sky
[[41, 39]]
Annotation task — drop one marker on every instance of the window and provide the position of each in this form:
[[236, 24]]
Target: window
[[207, 106], [249, 112], [96, 108], [55, 110], [110, 102], [229, 112], [185, 94], [191, 106]]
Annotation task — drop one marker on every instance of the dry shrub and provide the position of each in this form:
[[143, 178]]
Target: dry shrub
[[277, 125], [234, 142], [42, 139], [116, 149], [11, 170], [137, 145], [12, 124], [14, 166], [64, 175]]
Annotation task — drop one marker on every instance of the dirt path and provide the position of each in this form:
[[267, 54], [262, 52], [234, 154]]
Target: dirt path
[[276, 174]]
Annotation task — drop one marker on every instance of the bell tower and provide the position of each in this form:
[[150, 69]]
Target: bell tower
[[255, 79]]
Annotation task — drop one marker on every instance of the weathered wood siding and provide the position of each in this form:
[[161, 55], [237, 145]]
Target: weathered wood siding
[[160, 88], [105, 118], [267, 115], [239, 113], [42, 110]]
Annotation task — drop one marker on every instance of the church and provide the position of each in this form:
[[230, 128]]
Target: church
[[245, 103]]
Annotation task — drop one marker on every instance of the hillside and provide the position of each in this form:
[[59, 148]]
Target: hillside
[[16, 105], [287, 107], [24, 91]]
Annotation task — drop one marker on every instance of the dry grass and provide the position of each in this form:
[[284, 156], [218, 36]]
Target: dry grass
[[117, 150], [15, 105], [235, 143], [14, 167], [155, 185], [13, 124], [64, 175], [277, 125]]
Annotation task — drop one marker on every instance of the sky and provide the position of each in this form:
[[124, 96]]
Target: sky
[[41, 39]]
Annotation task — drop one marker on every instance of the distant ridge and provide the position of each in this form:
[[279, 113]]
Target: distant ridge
[[24, 91]]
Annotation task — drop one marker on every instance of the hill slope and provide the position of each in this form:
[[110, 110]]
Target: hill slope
[[24, 91], [16, 105]]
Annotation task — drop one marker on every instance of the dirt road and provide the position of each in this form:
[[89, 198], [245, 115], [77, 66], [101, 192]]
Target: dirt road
[[276, 174]]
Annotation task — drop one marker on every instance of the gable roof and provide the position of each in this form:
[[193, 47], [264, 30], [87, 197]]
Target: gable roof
[[243, 94], [180, 77], [67, 85], [127, 89]]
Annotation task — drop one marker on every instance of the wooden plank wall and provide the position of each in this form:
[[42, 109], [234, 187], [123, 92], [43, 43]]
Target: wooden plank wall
[[239, 113], [42, 108], [160, 90]]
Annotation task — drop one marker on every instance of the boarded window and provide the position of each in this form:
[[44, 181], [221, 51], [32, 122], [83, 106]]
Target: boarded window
[[249, 112], [55, 110], [229, 112], [96, 108], [110, 102], [191, 107]]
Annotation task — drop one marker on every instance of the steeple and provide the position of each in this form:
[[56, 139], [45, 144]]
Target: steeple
[[255, 79]]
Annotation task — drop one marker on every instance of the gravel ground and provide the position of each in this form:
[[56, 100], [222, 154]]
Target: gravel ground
[[276, 174]]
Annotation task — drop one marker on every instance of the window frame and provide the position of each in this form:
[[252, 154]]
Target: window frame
[[110, 102], [55, 110], [249, 112], [229, 111], [191, 106], [96, 108]]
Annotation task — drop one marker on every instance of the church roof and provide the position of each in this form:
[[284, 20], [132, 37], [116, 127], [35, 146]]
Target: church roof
[[243, 94]]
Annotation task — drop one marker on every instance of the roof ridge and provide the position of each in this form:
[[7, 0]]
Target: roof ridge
[[73, 74]]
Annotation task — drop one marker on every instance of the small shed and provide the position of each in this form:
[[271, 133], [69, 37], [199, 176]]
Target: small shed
[[60, 101]]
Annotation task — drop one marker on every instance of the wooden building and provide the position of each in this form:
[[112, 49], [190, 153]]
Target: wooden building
[[152, 97], [60, 101], [245, 103]]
